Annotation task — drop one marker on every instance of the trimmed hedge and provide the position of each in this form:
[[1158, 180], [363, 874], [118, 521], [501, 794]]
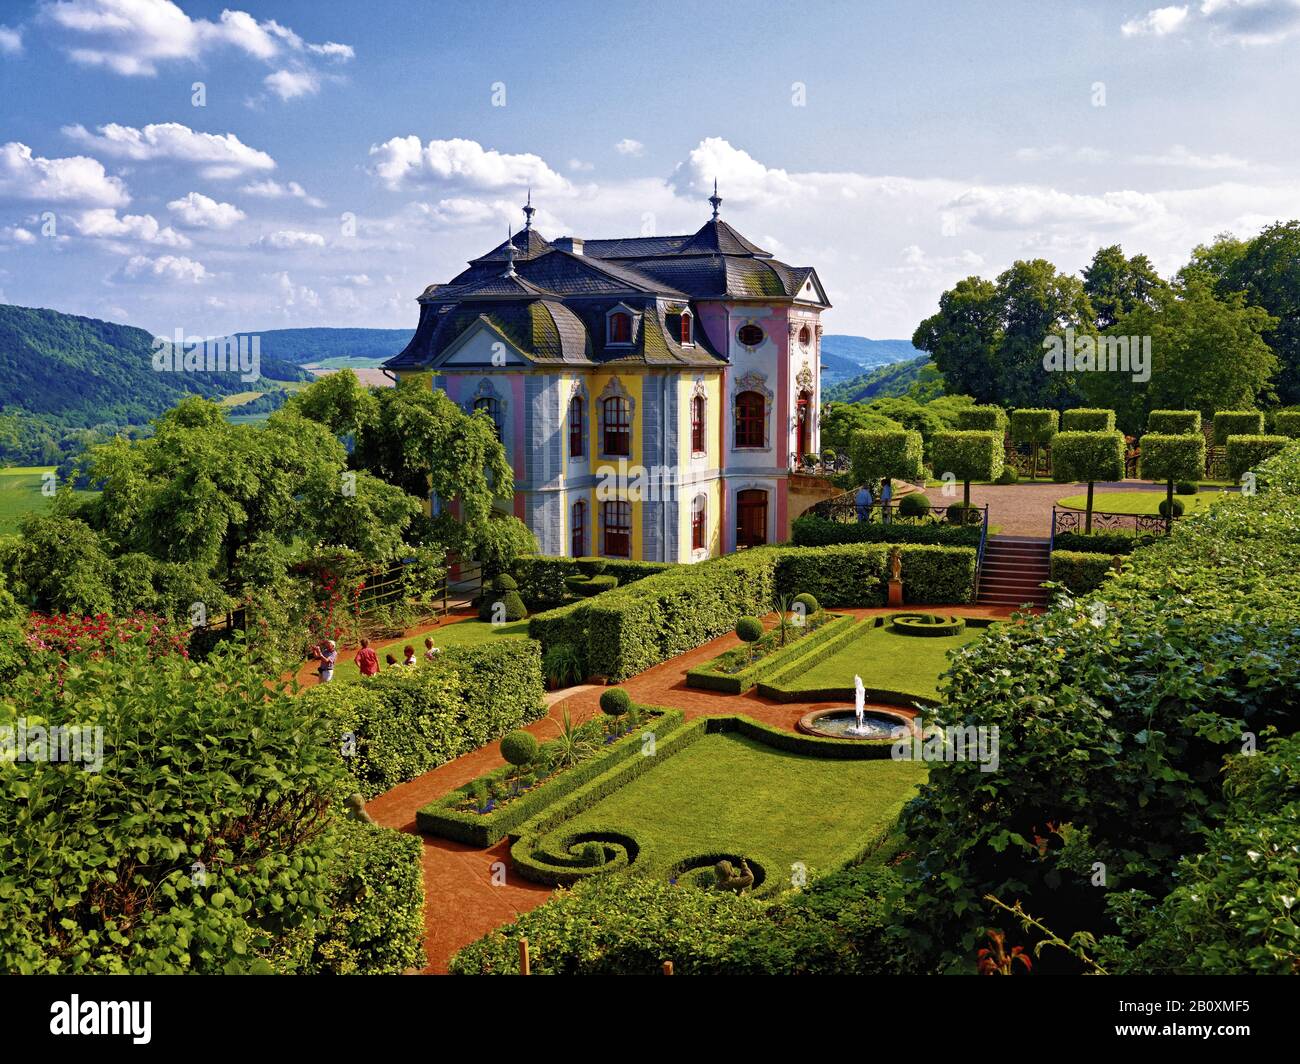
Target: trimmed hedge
[[542, 580], [1287, 423], [1081, 571], [1236, 423], [1246, 452], [733, 683], [587, 586], [1083, 419], [982, 419], [408, 721], [1173, 422], [881, 455], [1033, 425], [1111, 543], [970, 455], [1088, 456], [376, 923], [441, 818], [810, 530], [1172, 456]]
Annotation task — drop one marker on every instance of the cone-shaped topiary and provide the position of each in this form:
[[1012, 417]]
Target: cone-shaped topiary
[[505, 582], [615, 701], [519, 747]]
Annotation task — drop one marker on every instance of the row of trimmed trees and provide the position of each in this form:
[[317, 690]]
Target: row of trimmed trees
[[1086, 447]]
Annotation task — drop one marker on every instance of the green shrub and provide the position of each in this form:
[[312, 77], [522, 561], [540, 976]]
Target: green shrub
[[1008, 476], [1287, 423], [1088, 456], [404, 722], [519, 747], [968, 456], [917, 504], [1185, 487], [1085, 420], [1246, 452], [586, 586], [1081, 571], [1236, 423], [1174, 422], [1111, 543], [593, 566], [982, 419], [1172, 457], [501, 604], [1033, 426], [808, 602], [616, 701], [1174, 507], [884, 455], [749, 629], [542, 579], [505, 582], [810, 530], [562, 665]]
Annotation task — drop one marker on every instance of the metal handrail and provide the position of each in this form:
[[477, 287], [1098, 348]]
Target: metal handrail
[[979, 556]]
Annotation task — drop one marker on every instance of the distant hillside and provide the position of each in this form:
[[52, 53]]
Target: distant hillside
[[66, 380], [867, 353], [893, 379], [301, 346]]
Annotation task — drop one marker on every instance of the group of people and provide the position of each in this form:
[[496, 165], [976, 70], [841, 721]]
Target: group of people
[[367, 659]]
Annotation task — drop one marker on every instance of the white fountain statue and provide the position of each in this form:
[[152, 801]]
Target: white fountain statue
[[859, 706]]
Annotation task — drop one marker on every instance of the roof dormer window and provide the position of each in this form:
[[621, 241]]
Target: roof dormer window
[[620, 327], [687, 328]]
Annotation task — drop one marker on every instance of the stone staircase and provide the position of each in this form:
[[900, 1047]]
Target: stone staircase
[[1013, 569]]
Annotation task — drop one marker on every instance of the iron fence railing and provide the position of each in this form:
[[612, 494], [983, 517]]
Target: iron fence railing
[[1102, 521], [818, 465], [845, 509]]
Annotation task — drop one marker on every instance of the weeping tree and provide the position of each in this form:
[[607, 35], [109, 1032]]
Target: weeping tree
[[1170, 457], [1088, 456]]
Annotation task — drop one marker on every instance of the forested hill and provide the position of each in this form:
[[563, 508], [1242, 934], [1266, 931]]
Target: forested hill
[[301, 346], [61, 373], [891, 380]]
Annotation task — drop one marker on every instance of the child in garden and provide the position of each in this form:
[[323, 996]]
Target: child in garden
[[430, 651], [367, 660], [409, 655]]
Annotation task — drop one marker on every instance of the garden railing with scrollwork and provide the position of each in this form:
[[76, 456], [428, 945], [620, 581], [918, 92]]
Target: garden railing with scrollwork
[[844, 509], [1136, 524]]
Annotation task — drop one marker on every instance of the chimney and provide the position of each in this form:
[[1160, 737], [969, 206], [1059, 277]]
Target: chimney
[[571, 244]]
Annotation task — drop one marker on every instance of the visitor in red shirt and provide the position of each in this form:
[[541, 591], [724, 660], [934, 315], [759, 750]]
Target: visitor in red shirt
[[367, 660]]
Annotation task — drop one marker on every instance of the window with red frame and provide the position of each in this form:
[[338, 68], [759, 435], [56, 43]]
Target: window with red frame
[[577, 438], [699, 526], [618, 529], [620, 328], [697, 424], [687, 334], [750, 415], [579, 534], [616, 425]]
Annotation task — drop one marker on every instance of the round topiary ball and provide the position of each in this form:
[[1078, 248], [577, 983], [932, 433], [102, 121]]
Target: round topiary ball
[[750, 629], [915, 505], [519, 747], [1178, 508], [615, 701], [591, 855], [808, 602], [958, 513], [1185, 488]]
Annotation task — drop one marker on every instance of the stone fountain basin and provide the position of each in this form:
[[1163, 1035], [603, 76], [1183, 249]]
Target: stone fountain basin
[[834, 724]]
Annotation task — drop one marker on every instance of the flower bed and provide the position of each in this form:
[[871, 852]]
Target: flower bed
[[732, 672], [470, 814]]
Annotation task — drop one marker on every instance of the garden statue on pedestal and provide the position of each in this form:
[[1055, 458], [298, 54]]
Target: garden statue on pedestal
[[895, 577]]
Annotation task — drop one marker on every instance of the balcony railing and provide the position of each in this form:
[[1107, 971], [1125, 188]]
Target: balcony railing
[[1132, 524]]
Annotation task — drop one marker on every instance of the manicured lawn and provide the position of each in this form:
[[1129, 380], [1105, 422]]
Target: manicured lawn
[[728, 793], [1146, 503], [460, 634], [20, 494], [908, 664]]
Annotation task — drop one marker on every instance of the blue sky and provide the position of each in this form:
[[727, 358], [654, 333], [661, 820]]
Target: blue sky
[[348, 154]]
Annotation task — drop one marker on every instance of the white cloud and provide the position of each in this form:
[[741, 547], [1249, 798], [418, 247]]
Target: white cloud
[[628, 146], [578, 166], [203, 212], [1178, 155], [741, 178], [1023, 206], [162, 268], [132, 37], [404, 160], [288, 239], [11, 41], [18, 235], [104, 223], [294, 295], [360, 280], [74, 179], [217, 155], [289, 84], [1077, 153], [269, 189], [1158, 22]]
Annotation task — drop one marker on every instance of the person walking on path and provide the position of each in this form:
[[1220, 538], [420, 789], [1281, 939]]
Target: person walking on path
[[367, 660], [327, 655]]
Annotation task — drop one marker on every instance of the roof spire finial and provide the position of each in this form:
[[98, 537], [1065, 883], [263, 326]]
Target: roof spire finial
[[715, 199], [529, 210], [510, 253]]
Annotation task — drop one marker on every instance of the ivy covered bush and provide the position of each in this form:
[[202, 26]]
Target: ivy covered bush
[[1081, 571]]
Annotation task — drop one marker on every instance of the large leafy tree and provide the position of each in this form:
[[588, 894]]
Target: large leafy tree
[[1115, 285], [1037, 301], [1268, 271], [963, 336]]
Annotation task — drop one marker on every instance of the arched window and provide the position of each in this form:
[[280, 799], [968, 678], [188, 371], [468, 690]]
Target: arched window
[[750, 335], [699, 523], [493, 408], [616, 426], [750, 418], [751, 518], [698, 423], [805, 336], [620, 328], [618, 529], [804, 412], [578, 535], [687, 333], [577, 435]]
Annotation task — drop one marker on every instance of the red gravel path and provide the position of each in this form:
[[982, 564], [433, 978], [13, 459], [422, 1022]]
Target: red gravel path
[[462, 904]]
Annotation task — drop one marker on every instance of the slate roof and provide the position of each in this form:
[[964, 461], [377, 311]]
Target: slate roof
[[553, 306]]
